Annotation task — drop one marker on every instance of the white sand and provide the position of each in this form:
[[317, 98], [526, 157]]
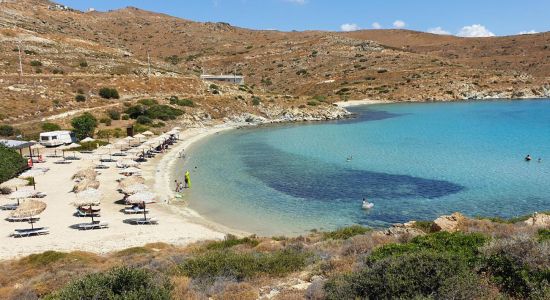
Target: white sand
[[177, 225], [351, 103]]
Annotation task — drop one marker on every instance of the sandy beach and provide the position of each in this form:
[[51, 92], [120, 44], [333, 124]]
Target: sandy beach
[[351, 103], [178, 225]]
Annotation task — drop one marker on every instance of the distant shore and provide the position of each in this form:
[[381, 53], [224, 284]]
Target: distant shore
[[351, 103]]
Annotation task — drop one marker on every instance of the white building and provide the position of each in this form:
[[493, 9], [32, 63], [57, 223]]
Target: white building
[[237, 79]]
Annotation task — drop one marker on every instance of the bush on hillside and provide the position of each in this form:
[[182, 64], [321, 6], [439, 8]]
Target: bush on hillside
[[50, 126], [10, 163], [7, 130], [36, 63], [80, 98], [108, 93], [144, 120], [408, 276], [114, 114], [84, 125], [230, 241], [345, 232], [148, 102], [243, 266], [163, 112], [119, 283], [181, 102], [106, 121]]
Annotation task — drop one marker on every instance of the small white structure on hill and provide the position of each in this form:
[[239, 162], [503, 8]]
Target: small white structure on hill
[[237, 79]]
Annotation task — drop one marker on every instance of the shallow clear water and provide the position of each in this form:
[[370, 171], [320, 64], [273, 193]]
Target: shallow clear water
[[413, 161]]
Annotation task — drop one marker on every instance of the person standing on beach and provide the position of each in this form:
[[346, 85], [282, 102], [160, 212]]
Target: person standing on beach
[[177, 185], [187, 179]]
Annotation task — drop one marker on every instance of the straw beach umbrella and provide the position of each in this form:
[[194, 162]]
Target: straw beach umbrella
[[87, 140], [85, 184], [29, 209], [90, 197], [83, 174], [148, 133], [37, 147], [142, 198], [128, 181], [22, 194], [14, 183], [134, 189]]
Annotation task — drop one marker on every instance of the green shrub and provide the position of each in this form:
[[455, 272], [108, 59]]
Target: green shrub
[[36, 63], [181, 102], [313, 103], [50, 127], [136, 111], [143, 120], [256, 100], [163, 112], [45, 258], [425, 226], [119, 283], [7, 130], [148, 102], [114, 114], [345, 232], [230, 241], [214, 87], [125, 117], [80, 98], [10, 163], [106, 121], [108, 93], [58, 71], [83, 64], [543, 235], [173, 59], [244, 265], [84, 125], [460, 244], [411, 275]]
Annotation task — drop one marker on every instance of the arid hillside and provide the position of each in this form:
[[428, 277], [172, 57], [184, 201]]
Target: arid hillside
[[66, 52]]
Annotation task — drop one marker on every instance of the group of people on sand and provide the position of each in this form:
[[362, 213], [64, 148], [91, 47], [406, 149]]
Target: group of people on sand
[[529, 158], [186, 184]]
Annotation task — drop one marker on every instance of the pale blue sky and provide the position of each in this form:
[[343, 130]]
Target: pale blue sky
[[504, 17]]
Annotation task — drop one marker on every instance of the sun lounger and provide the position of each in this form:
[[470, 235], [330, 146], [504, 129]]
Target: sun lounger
[[72, 158], [93, 225], [143, 221], [30, 232], [106, 160], [131, 210], [120, 154], [22, 219], [83, 214], [63, 162], [87, 152], [9, 207], [101, 167]]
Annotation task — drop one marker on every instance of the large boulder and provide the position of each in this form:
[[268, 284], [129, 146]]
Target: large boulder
[[539, 220], [448, 223]]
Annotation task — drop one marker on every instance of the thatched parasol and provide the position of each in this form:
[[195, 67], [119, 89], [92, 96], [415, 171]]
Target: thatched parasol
[[142, 198], [87, 140], [128, 181], [88, 173], [14, 183], [29, 209], [134, 189], [89, 197], [130, 170], [85, 184], [148, 133], [22, 194], [37, 147]]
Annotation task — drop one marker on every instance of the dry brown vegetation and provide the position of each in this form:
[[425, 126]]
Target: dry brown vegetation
[[327, 256], [70, 51]]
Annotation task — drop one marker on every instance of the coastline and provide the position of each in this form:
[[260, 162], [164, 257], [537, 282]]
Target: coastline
[[351, 103]]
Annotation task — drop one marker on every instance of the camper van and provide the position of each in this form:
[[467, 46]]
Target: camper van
[[57, 138]]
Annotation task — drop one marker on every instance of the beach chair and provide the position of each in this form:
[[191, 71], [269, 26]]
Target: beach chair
[[101, 167], [63, 162], [93, 225], [9, 207], [135, 210], [144, 221], [30, 232], [22, 219], [82, 214]]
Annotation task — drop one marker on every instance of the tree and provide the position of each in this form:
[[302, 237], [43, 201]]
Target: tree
[[10, 163], [6, 130], [84, 125]]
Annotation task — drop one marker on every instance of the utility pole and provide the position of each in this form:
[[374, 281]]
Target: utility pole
[[20, 61]]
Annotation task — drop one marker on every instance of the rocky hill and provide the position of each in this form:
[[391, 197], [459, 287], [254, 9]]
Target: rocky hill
[[67, 51]]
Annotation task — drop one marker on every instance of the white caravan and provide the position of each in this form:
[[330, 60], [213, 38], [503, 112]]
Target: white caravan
[[57, 138]]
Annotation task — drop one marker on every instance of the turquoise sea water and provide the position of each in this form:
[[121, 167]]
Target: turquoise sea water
[[413, 161]]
